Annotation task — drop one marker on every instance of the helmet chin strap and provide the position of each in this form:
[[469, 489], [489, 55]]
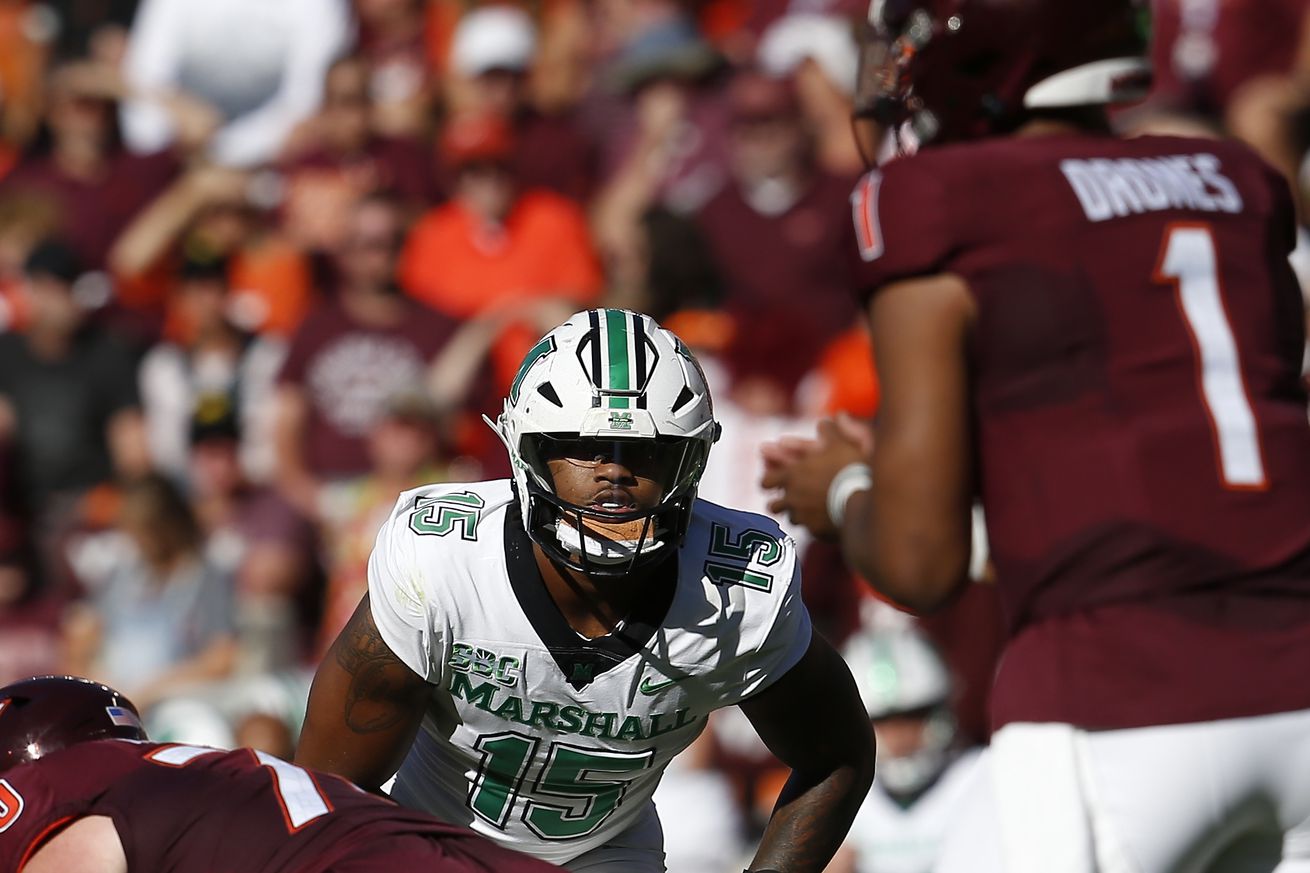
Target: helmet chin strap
[[603, 551]]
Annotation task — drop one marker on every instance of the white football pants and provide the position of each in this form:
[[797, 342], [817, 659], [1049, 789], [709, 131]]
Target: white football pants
[[1228, 796], [639, 849]]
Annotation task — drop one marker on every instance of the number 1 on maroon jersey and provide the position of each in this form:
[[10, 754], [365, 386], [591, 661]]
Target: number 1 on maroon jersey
[[1189, 262]]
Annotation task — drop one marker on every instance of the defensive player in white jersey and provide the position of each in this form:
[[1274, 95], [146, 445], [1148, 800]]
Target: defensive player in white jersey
[[923, 777], [532, 653]]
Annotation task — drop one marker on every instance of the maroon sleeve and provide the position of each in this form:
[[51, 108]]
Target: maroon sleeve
[[29, 814], [901, 224], [37, 800]]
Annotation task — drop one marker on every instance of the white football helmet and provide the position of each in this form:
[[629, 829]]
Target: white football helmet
[[612, 383], [899, 673]]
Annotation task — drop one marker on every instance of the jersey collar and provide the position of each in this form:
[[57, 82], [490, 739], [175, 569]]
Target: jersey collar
[[582, 660]]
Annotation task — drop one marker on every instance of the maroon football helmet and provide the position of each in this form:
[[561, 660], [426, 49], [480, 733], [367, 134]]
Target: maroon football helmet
[[48, 713], [964, 69]]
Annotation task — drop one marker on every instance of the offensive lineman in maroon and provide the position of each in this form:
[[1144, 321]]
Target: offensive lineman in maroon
[[1101, 338], [81, 791]]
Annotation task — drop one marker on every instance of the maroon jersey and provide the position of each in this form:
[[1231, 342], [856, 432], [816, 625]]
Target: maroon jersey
[[189, 809], [1140, 425]]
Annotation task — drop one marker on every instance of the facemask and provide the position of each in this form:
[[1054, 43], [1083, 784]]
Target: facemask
[[604, 551]]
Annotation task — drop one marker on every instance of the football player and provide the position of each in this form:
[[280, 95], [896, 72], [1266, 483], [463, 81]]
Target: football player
[[83, 791], [1102, 338], [531, 653], [922, 775]]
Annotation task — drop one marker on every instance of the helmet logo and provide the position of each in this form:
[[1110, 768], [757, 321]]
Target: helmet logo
[[620, 421], [536, 353]]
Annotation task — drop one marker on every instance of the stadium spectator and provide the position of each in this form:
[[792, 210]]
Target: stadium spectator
[[93, 184], [252, 534], [338, 156], [209, 357], [348, 357], [260, 65], [492, 51], [497, 245], [659, 109], [660, 118], [405, 450], [79, 25], [1233, 68], [217, 212], [818, 53], [160, 619], [25, 220], [70, 388], [29, 620], [24, 55], [779, 233], [265, 733], [672, 274], [391, 43]]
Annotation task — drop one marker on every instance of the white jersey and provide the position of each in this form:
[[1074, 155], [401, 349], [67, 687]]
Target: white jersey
[[890, 838], [536, 737]]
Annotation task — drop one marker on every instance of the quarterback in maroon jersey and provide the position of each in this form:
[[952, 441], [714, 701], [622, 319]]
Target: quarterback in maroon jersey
[[82, 791], [1101, 339]]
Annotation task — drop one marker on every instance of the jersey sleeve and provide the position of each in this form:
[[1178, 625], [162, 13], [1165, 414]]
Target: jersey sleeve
[[901, 225], [40, 798], [398, 599], [779, 640], [28, 815]]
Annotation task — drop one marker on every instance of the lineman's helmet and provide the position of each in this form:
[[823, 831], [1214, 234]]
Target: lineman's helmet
[[48, 713]]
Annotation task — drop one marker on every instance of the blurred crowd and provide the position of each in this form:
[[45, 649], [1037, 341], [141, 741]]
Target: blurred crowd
[[265, 265]]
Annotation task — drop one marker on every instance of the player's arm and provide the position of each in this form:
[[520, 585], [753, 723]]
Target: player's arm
[[813, 721], [88, 845], [910, 533], [365, 707]]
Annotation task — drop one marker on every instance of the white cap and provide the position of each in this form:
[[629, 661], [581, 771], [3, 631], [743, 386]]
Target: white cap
[[825, 39], [493, 38]]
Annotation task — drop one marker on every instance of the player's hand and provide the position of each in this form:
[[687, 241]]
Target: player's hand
[[802, 469]]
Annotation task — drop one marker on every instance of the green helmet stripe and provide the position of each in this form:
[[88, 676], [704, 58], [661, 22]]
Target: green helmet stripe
[[616, 333]]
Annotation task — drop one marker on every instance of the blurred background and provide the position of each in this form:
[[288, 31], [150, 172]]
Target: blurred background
[[264, 265]]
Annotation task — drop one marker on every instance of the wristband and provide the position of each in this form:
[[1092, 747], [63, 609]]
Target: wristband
[[849, 479]]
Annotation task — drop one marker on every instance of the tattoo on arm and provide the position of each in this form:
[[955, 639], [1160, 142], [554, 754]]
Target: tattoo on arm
[[381, 686]]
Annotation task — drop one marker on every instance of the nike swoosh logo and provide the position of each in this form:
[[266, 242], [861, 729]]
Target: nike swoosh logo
[[649, 687]]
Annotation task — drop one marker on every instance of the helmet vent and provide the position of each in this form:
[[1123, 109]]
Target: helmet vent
[[684, 397], [547, 390]]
